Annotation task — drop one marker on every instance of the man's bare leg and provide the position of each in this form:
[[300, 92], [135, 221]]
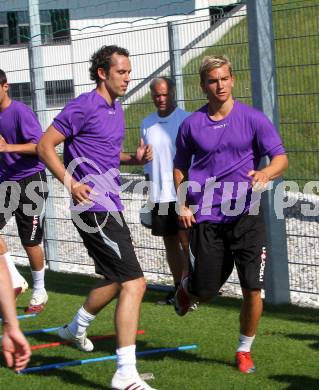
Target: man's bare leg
[[175, 257], [100, 295], [251, 310], [249, 317], [128, 311], [126, 322], [36, 257]]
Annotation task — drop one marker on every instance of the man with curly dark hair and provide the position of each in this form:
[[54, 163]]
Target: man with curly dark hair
[[92, 129], [103, 59]]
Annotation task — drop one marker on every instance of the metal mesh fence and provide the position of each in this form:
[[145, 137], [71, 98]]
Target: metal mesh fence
[[296, 28], [69, 252]]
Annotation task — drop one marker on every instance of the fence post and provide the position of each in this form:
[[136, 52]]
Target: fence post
[[175, 55], [39, 106], [263, 76]]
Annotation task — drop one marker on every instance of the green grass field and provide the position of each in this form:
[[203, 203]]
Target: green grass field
[[286, 351]]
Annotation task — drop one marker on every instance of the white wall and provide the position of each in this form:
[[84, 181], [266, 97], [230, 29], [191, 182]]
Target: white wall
[[147, 43], [137, 25], [15, 62]]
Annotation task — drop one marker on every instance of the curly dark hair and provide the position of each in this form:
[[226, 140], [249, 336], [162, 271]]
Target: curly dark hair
[[102, 59], [3, 77]]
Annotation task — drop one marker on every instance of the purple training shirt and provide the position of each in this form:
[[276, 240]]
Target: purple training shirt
[[218, 156], [19, 125], [94, 132]]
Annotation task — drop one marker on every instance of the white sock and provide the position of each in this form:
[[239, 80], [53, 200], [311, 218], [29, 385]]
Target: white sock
[[126, 361], [80, 322], [245, 343], [16, 277], [38, 281]]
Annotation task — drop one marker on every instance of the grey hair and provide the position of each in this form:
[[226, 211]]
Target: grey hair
[[169, 82]]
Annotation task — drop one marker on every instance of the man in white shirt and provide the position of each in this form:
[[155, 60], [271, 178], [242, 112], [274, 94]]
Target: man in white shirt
[[159, 129]]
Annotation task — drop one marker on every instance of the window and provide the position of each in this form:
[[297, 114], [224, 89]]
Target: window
[[15, 26], [58, 92], [219, 12], [4, 31], [21, 92], [55, 25]]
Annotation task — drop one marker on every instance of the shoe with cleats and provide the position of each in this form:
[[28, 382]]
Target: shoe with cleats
[[133, 383], [37, 303], [245, 363], [82, 343]]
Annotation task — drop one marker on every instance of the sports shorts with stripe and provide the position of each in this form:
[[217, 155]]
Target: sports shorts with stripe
[[108, 241], [215, 248], [25, 199]]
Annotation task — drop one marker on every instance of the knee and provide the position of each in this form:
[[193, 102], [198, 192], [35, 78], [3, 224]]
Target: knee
[[251, 294], [135, 287], [31, 246], [141, 286]]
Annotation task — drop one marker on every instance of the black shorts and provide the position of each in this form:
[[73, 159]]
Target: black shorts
[[214, 248], [25, 199], [108, 241], [164, 219]]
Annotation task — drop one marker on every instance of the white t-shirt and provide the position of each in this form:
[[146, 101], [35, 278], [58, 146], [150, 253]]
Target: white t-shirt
[[161, 132]]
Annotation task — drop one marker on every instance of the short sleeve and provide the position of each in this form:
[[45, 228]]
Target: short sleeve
[[71, 119], [30, 127], [184, 147], [267, 138]]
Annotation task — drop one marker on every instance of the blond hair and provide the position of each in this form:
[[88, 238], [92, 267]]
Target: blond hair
[[212, 62]]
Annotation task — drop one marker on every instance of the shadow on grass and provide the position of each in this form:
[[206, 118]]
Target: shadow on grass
[[306, 337], [108, 346], [67, 376], [80, 285], [80, 381], [283, 312], [297, 382], [62, 283], [104, 345]]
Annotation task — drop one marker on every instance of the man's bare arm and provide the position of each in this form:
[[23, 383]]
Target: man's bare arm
[[15, 347], [48, 154], [143, 155], [27, 148], [274, 169], [186, 217]]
